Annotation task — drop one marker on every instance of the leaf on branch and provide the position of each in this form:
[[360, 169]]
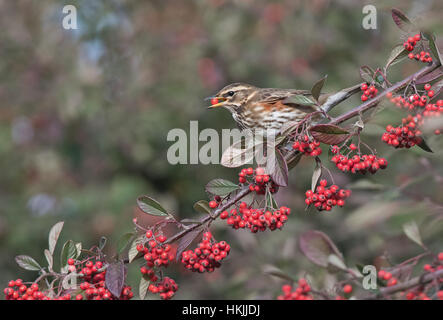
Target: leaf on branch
[[202, 206], [329, 134], [143, 286], [54, 234], [69, 251], [133, 253], [431, 39], [293, 161], [316, 88], [221, 187], [316, 174], [49, 259], [186, 241], [397, 54], [431, 76], [423, 145], [150, 206], [300, 99], [27, 263], [402, 21], [367, 74], [277, 168], [276, 272], [239, 154], [124, 240], [270, 201], [78, 246], [115, 278], [411, 231], [336, 262], [317, 247]]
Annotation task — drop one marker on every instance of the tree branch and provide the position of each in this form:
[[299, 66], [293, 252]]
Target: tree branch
[[420, 280]]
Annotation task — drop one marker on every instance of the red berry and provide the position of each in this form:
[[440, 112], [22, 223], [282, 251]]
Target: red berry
[[347, 289]]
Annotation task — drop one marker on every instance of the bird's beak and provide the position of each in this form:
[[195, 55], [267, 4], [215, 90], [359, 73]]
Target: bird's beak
[[220, 101]]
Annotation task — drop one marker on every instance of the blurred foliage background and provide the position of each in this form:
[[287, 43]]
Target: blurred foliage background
[[85, 113]]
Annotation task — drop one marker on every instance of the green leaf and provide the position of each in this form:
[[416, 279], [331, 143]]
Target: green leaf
[[143, 286], [317, 247], [366, 73], [123, 242], [423, 145], [316, 88], [221, 187], [396, 55], [431, 39], [133, 253], [412, 232], [78, 246], [292, 162], [316, 175], [27, 263], [402, 21], [329, 133], [276, 272], [270, 201], [69, 251], [150, 206], [49, 259], [202, 206], [54, 234]]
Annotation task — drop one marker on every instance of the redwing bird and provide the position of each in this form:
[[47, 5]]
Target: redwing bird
[[264, 108]]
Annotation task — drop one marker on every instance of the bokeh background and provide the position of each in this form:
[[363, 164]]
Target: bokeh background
[[84, 116]]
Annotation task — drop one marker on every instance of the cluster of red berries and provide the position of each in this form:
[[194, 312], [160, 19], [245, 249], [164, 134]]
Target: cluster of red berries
[[156, 254], [165, 288], [93, 283], [307, 146], [409, 45], [423, 56], [255, 219], [17, 290], [259, 181], [359, 164], [301, 292], [387, 278], [433, 109], [435, 266], [324, 198], [369, 92], [207, 256], [405, 136]]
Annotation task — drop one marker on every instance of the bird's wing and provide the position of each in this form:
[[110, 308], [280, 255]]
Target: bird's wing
[[286, 98], [274, 95]]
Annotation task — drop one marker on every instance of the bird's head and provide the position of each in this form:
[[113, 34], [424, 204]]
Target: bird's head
[[232, 97]]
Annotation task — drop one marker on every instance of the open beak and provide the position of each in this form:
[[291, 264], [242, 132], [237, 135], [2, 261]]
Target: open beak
[[219, 102]]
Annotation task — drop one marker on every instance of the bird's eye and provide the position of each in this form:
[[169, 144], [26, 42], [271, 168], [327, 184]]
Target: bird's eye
[[230, 93]]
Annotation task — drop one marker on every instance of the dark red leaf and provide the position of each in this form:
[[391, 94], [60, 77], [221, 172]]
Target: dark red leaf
[[115, 278], [186, 241]]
